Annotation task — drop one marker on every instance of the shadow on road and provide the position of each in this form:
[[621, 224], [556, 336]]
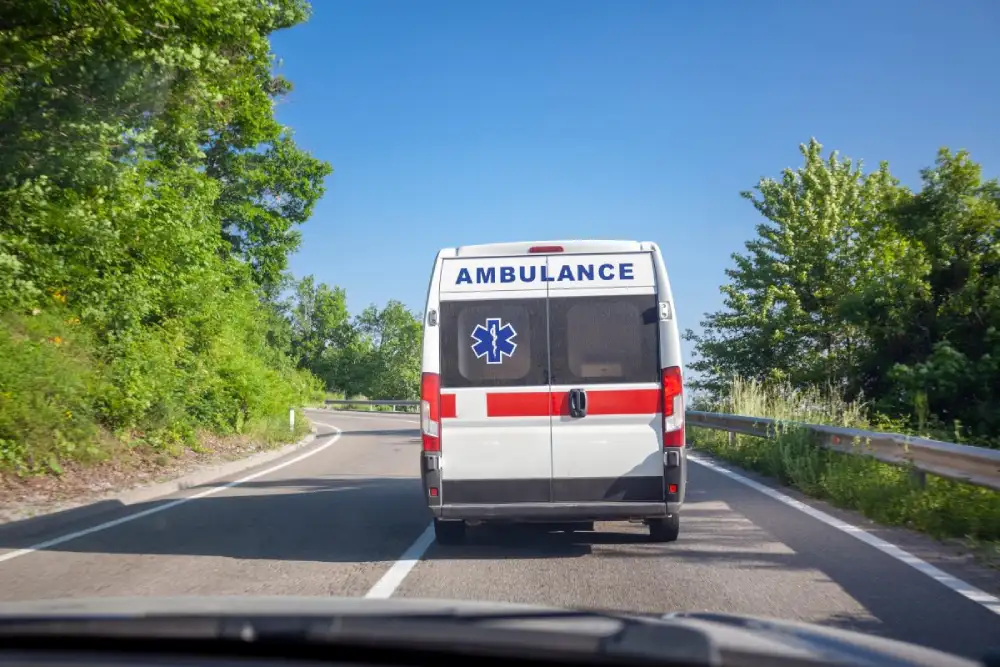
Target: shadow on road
[[339, 518], [908, 605]]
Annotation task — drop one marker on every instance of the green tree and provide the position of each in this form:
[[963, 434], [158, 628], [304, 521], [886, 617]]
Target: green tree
[[320, 324], [266, 192], [790, 305], [137, 140], [394, 336], [940, 347], [860, 284]]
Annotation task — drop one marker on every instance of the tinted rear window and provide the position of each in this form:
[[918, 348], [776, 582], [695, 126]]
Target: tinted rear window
[[604, 339], [468, 355]]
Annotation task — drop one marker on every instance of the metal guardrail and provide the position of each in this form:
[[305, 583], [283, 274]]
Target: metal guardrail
[[973, 465], [371, 404]]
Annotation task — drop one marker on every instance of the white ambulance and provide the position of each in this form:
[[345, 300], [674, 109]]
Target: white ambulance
[[551, 388]]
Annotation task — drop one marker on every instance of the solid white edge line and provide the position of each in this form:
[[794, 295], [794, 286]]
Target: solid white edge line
[[966, 590], [62, 539], [390, 581]]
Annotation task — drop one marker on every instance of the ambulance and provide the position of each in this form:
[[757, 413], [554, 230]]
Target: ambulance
[[551, 388]]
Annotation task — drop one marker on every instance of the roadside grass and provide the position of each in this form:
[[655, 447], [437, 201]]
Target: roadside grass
[[65, 406], [885, 493]]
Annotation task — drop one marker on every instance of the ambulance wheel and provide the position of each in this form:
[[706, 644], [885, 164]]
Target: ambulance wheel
[[666, 529], [449, 532]]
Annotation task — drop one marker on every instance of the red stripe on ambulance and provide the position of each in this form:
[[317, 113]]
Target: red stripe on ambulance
[[518, 404], [448, 406], [612, 402], [599, 402]]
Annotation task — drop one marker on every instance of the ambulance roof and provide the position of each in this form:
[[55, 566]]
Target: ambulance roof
[[549, 247]]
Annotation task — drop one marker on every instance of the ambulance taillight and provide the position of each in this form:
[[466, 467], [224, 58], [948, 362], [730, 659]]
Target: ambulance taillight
[[430, 411], [673, 407]]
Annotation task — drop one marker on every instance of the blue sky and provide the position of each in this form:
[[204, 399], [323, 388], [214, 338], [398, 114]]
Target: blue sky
[[451, 122]]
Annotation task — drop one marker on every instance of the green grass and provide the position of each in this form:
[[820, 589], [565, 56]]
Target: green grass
[[885, 493], [65, 399]]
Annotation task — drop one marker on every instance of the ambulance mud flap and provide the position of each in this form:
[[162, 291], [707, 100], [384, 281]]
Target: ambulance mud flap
[[674, 477], [430, 472]]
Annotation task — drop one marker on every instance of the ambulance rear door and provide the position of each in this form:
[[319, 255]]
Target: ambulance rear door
[[495, 421], [605, 376]]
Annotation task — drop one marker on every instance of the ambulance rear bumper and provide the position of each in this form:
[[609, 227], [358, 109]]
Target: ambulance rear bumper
[[590, 511]]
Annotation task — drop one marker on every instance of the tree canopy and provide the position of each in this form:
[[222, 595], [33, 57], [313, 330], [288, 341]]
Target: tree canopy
[[149, 200], [855, 282]]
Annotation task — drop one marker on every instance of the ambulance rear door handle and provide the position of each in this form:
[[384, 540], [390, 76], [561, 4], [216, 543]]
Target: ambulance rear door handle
[[577, 403]]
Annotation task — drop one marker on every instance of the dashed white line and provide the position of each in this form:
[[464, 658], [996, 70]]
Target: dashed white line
[[963, 588], [397, 572], [62, 539]]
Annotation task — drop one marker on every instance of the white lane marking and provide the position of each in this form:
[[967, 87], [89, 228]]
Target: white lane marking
[[62, 539], [966, 590], [390, 581], [394, 576]]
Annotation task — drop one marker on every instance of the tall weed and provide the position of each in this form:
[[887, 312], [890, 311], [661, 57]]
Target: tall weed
[[886, 493]]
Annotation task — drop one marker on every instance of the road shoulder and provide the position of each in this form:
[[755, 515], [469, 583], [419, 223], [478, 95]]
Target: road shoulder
[[951, 556], [71, 498]]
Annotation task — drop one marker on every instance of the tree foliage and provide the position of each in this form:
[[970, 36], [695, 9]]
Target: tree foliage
[[148, 203], [857, 283], [376, 354]]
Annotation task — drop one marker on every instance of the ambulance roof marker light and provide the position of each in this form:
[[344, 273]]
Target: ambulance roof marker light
[[535, 249]]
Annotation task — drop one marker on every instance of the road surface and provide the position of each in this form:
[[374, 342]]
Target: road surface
[[335, 519]]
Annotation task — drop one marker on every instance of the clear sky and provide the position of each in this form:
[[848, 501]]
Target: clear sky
[[452, 122]]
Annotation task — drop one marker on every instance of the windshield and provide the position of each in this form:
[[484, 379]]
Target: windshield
[[546, 303]]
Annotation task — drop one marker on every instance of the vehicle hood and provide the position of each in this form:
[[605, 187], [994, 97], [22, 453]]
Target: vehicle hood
[[725, 633]]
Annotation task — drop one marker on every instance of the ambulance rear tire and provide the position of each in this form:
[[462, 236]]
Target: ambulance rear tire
[[449, 532], [667, 529]]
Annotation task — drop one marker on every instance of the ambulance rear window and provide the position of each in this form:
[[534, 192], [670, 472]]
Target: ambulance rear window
[[493, 343], [605, 339]]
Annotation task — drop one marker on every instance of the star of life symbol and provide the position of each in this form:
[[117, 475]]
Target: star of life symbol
[[494, 341]]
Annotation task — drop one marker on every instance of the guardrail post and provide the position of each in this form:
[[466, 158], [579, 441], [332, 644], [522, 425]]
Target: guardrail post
[[918, 478], [291, 419], [732, 439]]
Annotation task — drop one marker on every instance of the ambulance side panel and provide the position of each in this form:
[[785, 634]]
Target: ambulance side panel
[[674, 458]]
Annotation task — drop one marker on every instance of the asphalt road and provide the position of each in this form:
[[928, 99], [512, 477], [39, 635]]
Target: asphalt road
[[338, 518]]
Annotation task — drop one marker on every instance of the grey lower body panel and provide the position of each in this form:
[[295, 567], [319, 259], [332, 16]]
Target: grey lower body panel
[[556, 499]]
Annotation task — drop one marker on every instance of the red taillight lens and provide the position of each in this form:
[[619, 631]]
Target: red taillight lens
[[430, 411], [673, 407], [545, 248]]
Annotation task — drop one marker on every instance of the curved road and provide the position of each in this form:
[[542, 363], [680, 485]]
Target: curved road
[[336, 518]]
